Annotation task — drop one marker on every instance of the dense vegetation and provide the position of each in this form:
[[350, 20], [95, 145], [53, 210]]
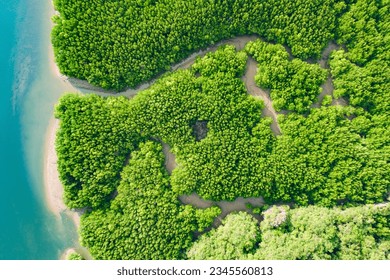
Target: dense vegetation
[[238, 139], [238, 235], [294, 84], [115, 44], [109, 150], [92, 146], [323, 158], [145, 219], [365, 31], [364, 86], [305, 233], [363, 73]]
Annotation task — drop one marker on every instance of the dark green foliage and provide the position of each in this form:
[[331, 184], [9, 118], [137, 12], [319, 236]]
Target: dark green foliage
[[363, 73], [93, 141], [115, 44], [225, 165], [305, 26], [121, 43], [331, 156], [220, 166], [305, 233], [365, 86], [236, 134], [145, 220], [365, 30], [376, 128], [236, 237], [294, 84], [225, 60], [322, 159]]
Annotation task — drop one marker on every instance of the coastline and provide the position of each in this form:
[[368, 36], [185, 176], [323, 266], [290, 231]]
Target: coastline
[[54, 190], [52, 184], [53, 187]]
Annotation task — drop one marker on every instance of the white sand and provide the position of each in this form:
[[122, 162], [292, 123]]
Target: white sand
[[53, 66], [66, 85], [53, 187]]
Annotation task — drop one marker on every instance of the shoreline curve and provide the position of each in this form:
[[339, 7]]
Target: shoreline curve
[[53, 187]]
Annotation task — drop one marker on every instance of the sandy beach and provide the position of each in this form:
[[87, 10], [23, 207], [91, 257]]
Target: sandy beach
[[53, 187], [54, 190]]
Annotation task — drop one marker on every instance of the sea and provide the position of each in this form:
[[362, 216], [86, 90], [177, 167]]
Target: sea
[[29, 89]]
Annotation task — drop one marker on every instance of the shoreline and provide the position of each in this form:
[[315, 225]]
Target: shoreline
[[55, 70], [53, 187], [54, 190], [52, 184]]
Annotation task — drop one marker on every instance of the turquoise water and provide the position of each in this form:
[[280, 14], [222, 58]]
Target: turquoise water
[[28, 91]]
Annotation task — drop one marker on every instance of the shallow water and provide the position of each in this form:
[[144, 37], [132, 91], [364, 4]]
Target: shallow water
[[29, 89]]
